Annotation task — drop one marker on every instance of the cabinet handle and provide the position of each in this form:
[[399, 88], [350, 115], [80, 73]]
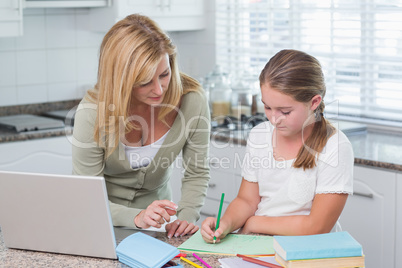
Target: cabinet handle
[[20, 9], [162, 4], [363, 194], [159, 4], [207, 214], [212, 185]]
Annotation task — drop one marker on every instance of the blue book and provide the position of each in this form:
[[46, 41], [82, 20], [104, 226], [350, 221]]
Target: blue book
[[143, 251], [330, 245]]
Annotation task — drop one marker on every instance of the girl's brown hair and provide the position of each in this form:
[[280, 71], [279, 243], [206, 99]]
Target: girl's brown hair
[[129, 55], [299, 75]]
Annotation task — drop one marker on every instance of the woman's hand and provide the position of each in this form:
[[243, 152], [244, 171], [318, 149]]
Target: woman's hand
[[180, 228], [208, 230], [156, 214]]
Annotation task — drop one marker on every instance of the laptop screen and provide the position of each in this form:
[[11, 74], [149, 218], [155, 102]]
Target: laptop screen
[[56, 213]]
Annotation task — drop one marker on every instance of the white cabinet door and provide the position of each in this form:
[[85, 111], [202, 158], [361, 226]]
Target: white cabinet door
[[175, 178], [64, 3], [222, 182], [369, 215], [211, 209], [225, 163], [225, 169], [171, 15], [398, 236], [48, 155], [164, 8], [10, 18]]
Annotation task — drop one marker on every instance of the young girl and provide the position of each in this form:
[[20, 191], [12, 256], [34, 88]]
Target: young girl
[[298, 169]]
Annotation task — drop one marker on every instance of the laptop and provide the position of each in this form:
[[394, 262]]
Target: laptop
[[56, 213]]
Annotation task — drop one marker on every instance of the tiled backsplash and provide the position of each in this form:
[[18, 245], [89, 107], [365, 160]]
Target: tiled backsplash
[[56, 58]]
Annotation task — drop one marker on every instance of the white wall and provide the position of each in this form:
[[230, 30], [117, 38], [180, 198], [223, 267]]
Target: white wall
[[56, 58], [196, 49]]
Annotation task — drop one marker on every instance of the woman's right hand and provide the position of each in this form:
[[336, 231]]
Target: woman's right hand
[[208, 230], [156, 214]]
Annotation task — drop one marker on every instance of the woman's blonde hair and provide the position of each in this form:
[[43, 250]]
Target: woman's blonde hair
[[129, 55], [299, 75]]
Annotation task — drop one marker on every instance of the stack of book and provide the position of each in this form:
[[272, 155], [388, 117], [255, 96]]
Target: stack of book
[[331, 250]]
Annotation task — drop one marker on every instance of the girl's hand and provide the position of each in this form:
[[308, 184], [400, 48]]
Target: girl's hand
[[180, 228], [155, 214], [208, 230]]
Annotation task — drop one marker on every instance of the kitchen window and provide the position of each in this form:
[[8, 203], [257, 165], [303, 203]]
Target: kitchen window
[[359, 44]]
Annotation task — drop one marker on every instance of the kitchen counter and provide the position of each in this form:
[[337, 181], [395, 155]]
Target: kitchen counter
[[24, 258], [378, 149], [375, 149], [371, 148], [7, 135]]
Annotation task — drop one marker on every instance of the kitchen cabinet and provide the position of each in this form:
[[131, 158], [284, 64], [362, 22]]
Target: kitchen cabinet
[[11, 11], [398, 247], [11, 18], [175, 178], [171, 15], [225, 169], [370, 215], [65, 3], [48, 155]]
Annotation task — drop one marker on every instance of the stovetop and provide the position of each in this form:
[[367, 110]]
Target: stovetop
[[67, 116], [29, 122], [244, 123]]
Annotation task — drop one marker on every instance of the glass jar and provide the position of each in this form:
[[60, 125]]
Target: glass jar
[[253, 80], [260, 105], [220, 95], [204, 84], [242, 99]]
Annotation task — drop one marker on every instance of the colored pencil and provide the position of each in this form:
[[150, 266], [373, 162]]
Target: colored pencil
[[219, 215], [260, 262], [201, 260], [183, 255], [190, 262]]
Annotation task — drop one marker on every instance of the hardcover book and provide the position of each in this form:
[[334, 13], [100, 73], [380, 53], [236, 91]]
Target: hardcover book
[[329, 245], [344, 262]]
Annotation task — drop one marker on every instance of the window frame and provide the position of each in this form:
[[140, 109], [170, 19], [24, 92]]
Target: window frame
[[238, 56]]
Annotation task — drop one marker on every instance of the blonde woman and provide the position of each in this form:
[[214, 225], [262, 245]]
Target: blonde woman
[[141, 114]]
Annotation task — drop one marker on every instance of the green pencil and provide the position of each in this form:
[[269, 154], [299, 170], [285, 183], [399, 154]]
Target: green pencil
[[219, 215]]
